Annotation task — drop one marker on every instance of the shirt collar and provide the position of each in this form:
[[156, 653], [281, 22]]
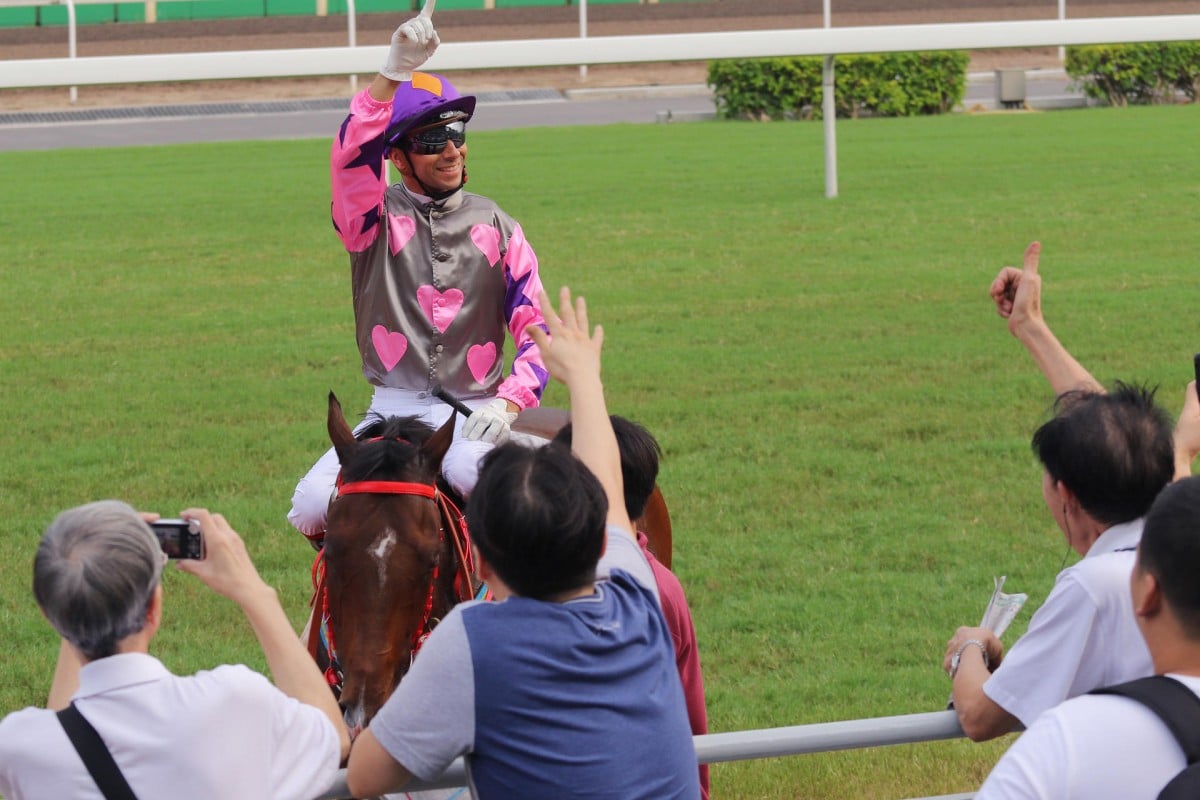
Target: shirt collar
[[1124, 536], [117, 672]]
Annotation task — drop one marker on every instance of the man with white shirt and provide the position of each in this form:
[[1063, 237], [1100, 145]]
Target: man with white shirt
[[1106, 746], [1105, 458], [221, 733]]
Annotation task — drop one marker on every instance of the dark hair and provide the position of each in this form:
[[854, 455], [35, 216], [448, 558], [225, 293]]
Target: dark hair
[[640, 454], [1113, 451], [1170, 550], [538, 516]]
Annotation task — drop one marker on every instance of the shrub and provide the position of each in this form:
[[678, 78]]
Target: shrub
[[1137, 74], [891, 84]]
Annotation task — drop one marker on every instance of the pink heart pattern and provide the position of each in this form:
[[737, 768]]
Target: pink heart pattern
[[487, 239], [390, 346], [400, 230], [480, 358], [440, 307]]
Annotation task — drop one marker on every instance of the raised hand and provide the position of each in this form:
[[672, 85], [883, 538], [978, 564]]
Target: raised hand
[[569, 350], [1018, 292], [412, 45]]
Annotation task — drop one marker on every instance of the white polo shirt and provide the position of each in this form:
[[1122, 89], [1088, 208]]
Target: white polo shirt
[[1098, 747], [1083, 637], [224, 733]]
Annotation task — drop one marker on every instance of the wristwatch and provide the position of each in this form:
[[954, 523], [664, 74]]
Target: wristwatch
[[954, 659]]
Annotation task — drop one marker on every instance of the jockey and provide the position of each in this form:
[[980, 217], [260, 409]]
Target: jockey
[[437, 273]]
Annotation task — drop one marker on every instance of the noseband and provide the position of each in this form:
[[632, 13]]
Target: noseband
[[406, 488]]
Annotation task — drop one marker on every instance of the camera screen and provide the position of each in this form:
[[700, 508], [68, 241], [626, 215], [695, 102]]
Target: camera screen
[[177, 539], [171, 541]]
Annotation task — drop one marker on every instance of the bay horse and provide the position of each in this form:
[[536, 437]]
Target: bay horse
[[396, 554], [395, 558]]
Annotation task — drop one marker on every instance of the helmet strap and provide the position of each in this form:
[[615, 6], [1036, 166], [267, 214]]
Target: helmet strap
[[434, 195]]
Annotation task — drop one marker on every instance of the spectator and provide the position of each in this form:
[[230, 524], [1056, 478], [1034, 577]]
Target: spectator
[[1018, 297], [1103, 746], [567, 686], [221, 733], [437, 273], [640, 455], [1105, 458]]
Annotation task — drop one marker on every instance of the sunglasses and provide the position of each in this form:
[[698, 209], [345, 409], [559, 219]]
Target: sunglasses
[[431, 141]]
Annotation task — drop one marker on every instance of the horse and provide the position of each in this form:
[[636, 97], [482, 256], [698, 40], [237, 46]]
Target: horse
[[395, 558], [396, 554]]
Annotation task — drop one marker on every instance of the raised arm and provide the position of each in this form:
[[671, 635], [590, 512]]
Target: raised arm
[[412, 45], [1018, 297], [228, 570], [357, 159], [573, 357], [1187, 433]]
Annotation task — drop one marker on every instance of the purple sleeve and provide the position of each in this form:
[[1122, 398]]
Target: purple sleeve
[[358, 172], [522, 309]]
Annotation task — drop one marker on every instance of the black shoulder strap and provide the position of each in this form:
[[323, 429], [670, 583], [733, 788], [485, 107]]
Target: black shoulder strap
[[1176, 704], [1179, 709], [95, 755]]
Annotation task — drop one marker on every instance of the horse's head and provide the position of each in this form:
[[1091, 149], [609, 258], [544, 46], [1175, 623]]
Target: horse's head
[[383, 547]]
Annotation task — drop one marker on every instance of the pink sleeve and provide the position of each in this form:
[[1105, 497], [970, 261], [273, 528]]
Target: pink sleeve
[[358, 172], [522, 309]]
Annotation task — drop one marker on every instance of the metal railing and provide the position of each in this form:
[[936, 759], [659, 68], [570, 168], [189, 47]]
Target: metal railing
[[826, 41], [714, 748], [73, 36]]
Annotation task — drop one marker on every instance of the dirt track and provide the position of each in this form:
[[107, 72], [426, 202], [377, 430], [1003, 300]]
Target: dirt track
[[512, 23]]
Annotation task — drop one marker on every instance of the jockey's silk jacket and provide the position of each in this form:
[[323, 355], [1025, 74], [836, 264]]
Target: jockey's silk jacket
[[435, 284]]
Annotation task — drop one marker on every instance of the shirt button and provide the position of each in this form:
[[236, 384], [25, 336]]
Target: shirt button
[[439, 348]]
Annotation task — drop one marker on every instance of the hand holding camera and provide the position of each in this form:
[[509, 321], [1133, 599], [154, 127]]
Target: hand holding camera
[[226, 567]]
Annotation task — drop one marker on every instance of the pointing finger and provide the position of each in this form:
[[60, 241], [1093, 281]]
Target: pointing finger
[[1032, 253], [427, 9]]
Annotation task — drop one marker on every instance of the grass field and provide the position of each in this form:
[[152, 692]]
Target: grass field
[[845, 420]]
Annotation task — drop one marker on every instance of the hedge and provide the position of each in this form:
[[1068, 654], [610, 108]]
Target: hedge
[[1137, 74], [892, 85]]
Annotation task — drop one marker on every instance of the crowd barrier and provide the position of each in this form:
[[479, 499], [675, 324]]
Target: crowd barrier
[[821, 737]]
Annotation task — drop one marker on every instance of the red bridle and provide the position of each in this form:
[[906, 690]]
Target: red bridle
[[401, 487], [386, 487]]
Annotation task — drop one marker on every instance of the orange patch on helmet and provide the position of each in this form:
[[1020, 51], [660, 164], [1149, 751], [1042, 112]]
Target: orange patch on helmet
[[430, 83]]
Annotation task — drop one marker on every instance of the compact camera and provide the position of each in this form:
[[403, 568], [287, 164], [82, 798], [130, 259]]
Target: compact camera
[[179, 538]]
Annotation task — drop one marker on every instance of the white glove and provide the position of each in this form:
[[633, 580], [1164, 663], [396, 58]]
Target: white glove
[[490, 423], [412, 45]]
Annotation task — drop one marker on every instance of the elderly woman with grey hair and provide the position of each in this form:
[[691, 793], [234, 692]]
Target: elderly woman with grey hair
[[225, 732]]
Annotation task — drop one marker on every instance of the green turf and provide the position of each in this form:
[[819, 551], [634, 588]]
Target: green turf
[[845, 420]]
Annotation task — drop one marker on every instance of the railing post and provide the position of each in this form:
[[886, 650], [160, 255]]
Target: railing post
[[583, 35], [71, 48], [352, 33], [1062, 15], [829, 114]]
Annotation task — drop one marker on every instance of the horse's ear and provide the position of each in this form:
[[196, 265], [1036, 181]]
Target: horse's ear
[[339, 431], [435, 447]]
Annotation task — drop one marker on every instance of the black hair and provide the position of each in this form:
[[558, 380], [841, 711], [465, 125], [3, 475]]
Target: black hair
[[1113, 451], [538, 516], [1170, 550], [640, 454]]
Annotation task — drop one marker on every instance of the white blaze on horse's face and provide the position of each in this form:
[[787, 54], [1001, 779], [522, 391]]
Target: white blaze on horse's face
[[379, 550]]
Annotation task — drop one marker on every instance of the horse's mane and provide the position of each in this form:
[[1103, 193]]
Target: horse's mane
[[391, 448]]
